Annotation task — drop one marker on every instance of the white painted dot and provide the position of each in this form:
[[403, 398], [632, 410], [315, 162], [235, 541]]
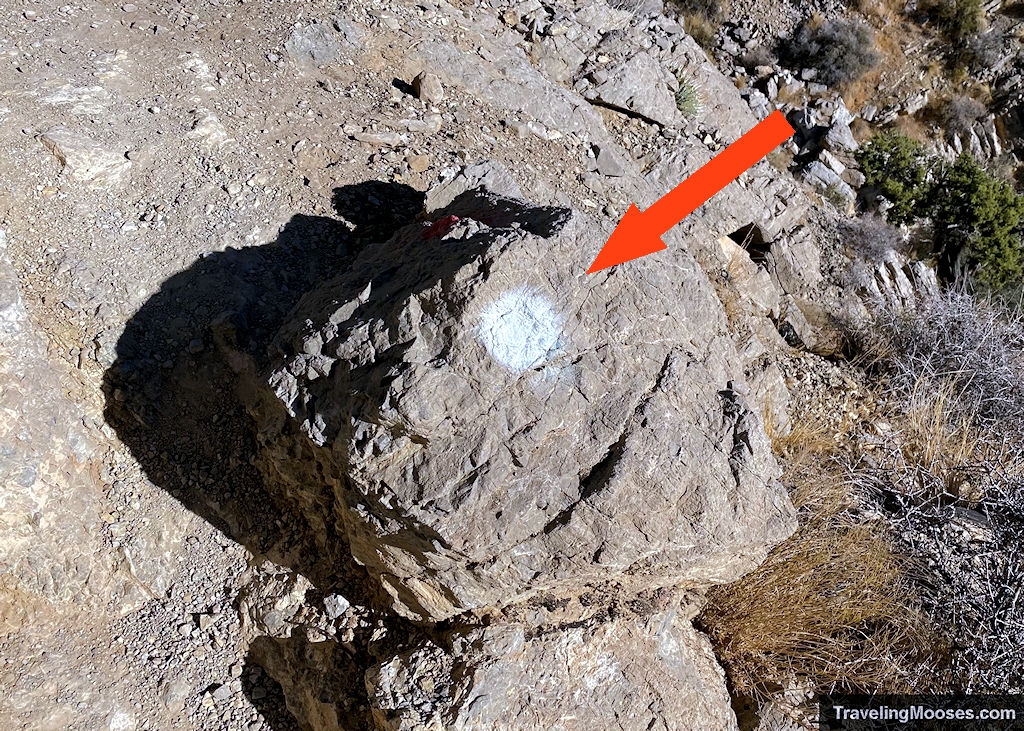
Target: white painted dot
[[520, 329]]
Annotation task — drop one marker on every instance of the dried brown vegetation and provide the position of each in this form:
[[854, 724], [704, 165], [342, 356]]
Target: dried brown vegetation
[[832, 607]]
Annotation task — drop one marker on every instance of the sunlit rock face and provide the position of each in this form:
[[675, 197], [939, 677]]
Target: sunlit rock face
[[484, 422]]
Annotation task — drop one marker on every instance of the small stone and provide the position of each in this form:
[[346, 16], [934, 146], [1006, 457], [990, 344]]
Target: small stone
[[428, 88], [418, 163], [336, 605], [233, 188], [173, 693], [389, 139], [129, 8], [608, 162]]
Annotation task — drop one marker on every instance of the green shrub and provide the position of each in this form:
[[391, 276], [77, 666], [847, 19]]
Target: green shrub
[[840, 50], [901, 169], [688, 98], [977, 219]]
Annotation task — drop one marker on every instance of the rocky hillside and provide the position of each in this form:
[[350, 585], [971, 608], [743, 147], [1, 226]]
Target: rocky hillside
[[312, 419]]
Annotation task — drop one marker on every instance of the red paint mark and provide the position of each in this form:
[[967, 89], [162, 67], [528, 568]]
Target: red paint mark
[[440, 227], [639, 233]]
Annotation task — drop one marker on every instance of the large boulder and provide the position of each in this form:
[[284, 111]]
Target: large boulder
[[626, 672], [485, 422]]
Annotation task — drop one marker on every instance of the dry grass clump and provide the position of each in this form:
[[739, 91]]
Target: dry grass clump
[[832, 606], [948, 475]]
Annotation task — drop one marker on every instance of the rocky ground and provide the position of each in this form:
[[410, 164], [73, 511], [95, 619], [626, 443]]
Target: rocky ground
[[177, 177]]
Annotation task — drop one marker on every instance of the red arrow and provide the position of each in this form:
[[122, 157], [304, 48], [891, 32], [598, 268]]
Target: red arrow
[[639, 233]]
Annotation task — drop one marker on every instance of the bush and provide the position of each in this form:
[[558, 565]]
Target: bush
[[841, 51], [701, 29], [959, 114], [949, 473], [982, 51], [902, 171], [708, 9], [977, 219], [871, 237], [700, 19], [954, 342]]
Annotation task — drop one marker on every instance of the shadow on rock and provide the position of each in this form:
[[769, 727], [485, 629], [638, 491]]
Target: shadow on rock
[[322, 682], [171, 393]]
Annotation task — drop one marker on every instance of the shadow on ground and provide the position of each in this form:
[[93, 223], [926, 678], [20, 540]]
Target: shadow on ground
[[170, 394]]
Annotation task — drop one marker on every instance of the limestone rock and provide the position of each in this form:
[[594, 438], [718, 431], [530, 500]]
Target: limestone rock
[[639, 84], [85, 159], [428, 88], [795, 260], [655, 673], [840, 139], [320, 44], [486, 424], [828, 182], [51, 557]]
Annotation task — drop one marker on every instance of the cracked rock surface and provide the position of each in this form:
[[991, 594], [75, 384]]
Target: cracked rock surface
[[488, 425], [630, 672]]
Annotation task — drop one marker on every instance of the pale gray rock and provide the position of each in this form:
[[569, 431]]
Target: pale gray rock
[[336, 605], [840, 139], [794, 326], [832, 161], [428, 88], [86, 160], [557, 57], [639, 85], [827, 181], [493, 176], [795, 261], [608, 163], [898, 282], [486, 423], [637, 673], [320, 44]]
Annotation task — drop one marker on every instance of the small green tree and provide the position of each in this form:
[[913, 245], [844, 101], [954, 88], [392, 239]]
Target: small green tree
[[977, 221], [902, 171]]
